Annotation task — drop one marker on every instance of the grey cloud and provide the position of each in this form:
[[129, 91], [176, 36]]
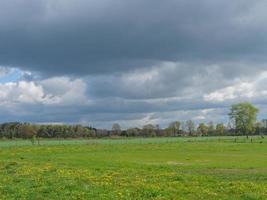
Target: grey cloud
[[169, 79], [87, 37]]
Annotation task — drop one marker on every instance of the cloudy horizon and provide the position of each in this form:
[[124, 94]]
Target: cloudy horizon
[[130, 62]]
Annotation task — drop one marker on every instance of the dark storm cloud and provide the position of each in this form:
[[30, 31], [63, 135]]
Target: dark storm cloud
[[87, 37]]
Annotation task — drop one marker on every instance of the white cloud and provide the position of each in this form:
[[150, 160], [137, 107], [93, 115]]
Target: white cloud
[[254, 89], [23, 92], [240, 90], [65, 90], [60, 91]]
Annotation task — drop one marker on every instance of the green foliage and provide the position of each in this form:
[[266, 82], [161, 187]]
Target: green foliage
[[211, 129], [15, 130], [220, 130], [244, 117], [27, 131], [202, 129]]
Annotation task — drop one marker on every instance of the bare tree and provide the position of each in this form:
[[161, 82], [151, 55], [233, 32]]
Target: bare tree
[[190, 127], [116, 129], [149, 130], [132, 132], [174, 127]]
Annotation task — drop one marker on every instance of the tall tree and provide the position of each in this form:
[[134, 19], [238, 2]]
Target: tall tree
[[190, 127], [27, 131], [220, 130], [149, 130], [116, 129], [202, 129], [174, 127], [132, 132], [258, 128], [244, 117], [211, 129]]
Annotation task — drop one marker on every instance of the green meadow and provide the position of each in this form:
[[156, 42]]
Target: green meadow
[[157, 168]]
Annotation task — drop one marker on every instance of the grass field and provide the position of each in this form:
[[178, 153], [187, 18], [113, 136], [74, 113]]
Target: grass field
[[157, 168]]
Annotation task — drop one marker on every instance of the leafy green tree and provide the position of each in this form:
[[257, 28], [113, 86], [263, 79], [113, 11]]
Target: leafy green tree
[[202, 129], [27, 131], [211, 129], [244, 117], [220, 130]]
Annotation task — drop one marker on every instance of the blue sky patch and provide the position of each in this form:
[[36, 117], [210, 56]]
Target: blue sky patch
[[12, 75]]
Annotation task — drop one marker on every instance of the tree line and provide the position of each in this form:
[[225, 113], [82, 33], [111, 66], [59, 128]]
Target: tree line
[[242, 122]]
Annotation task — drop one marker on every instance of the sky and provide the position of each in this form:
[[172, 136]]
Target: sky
[[131, 62]]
